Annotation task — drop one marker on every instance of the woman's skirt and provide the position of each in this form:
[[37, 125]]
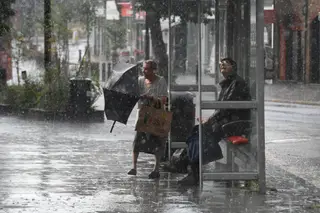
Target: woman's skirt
[[147, 143]]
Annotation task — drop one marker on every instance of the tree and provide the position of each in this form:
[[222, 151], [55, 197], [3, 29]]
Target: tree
[[6, 12], [157, 9], [29, 15], [88, 8], [63, 12], [57, 15]]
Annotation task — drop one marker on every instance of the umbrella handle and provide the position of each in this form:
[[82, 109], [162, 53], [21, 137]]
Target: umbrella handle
[[114, 122]]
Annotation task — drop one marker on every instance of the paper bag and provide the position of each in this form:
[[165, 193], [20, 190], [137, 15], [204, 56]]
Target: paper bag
[[154, 121]]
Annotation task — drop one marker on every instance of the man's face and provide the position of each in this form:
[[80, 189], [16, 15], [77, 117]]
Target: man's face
[[225, 68], [147, 70]]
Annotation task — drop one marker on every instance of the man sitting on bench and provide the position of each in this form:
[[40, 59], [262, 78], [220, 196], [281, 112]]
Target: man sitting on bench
[[233, 88]]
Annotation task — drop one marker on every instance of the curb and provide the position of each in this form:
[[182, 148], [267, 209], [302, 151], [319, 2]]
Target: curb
[[41, 114], [312, 103]]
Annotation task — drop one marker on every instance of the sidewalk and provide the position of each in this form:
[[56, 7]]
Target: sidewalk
[[277, 92], [77, 171], [293, 93]]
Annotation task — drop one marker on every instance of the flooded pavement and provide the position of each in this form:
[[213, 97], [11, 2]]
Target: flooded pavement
[[71, 167]]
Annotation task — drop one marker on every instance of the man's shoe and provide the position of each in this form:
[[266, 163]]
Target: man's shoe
[[189, 180], [132, 172], [154, 175], [169, 168]]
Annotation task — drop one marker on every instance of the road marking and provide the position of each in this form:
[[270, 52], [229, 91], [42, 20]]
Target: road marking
[[287, 140]]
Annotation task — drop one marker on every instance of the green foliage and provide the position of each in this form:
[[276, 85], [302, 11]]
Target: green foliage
[[32, 94], [186, 10], [116, 33], [66, 11], [60, 19], [74, 10], [55, 96], [21, 96], [30, 17], [86, 12], [5, 13]]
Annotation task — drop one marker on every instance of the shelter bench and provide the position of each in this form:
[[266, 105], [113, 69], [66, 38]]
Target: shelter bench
[[239, 153]]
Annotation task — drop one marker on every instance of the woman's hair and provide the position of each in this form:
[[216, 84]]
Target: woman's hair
[[152, 64], [231, 62]]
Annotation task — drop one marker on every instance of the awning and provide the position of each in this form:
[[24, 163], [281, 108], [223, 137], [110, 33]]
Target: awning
[[269, 16]]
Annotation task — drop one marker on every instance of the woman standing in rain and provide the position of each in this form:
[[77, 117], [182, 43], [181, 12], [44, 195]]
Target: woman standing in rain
[[153, 89]]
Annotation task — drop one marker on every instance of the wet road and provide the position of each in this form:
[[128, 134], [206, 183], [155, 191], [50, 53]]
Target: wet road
[[292, 137], [68, 167]]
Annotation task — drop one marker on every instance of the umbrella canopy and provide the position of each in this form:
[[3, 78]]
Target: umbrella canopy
[[121, 92], [124, 79]]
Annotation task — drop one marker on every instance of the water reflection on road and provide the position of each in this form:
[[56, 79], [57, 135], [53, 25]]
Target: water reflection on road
[[80, 167]]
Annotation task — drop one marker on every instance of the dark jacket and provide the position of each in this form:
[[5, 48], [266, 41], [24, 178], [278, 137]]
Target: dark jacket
[[233, 88]]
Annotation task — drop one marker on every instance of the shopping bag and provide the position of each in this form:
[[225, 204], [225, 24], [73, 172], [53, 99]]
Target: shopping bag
[[154, 121]]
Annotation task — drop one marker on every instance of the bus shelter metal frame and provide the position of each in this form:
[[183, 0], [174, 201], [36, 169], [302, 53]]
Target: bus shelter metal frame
[[257, 104]]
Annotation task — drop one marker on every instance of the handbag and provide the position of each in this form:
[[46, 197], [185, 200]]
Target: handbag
[[211, 150]]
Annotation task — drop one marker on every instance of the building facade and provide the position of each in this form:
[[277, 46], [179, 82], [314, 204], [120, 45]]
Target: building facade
[[297, 35]]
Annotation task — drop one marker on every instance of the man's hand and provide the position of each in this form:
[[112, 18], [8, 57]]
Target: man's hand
[[202, 120]]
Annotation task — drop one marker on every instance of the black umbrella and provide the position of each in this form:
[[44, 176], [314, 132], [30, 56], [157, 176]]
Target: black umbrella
[[121, 93]]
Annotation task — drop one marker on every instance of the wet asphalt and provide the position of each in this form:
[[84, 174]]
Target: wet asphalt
[[80, 167]]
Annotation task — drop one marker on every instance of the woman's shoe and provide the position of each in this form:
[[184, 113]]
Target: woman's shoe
[[132, 172], [154, 175]]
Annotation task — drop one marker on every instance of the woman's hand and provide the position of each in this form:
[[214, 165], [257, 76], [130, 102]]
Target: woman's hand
[[147, 96]]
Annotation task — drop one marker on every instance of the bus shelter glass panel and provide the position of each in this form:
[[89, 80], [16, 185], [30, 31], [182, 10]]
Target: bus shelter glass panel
[[184, 48], [181, 38], [184, 51], [234, 28]]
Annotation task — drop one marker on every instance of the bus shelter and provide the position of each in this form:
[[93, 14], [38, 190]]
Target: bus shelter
[[235, 29]]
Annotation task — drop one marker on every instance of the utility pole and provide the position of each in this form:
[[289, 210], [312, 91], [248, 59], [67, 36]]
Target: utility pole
[[147, 40], [47, 40], [317, 80], [306, 26], [132, 30], [105, 2]]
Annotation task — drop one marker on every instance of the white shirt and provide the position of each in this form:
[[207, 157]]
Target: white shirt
[[156, 89]]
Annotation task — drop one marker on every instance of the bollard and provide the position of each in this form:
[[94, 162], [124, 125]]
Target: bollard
[[103, 72], [79, 55]]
